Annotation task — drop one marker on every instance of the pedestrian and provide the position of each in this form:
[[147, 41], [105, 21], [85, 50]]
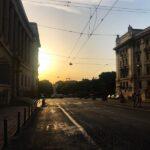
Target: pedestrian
[[139, 103], [138, 98], [121, 97], [134, 99], [43, 100]]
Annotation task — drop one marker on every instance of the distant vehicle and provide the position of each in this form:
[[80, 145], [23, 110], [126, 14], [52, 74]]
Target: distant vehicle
[[112, 96], [117, 96]]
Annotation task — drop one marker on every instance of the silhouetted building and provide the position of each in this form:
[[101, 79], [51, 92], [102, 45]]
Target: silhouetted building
[[133, 62], [19, 43]]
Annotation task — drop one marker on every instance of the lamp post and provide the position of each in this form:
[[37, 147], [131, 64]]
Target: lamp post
[[138, 76]]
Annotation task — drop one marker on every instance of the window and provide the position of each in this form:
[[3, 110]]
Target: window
[[140, 85], [148, 69], [4, 74], [148, 83], [138, 71], [126, 84], [146, 41], [147, 54], [138, 57], [22, 80]]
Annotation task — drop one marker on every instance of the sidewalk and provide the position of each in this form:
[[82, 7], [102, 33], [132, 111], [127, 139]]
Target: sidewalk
[[128, 105], [10, 113]]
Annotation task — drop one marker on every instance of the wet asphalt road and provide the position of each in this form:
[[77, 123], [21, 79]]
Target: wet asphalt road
[[69, 124]]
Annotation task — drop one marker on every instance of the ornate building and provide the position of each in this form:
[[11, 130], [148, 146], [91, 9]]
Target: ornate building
[[133, 62], [19, 43]]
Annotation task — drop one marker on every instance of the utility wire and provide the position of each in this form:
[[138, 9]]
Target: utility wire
[[108, 12], [82, 58], [75, 32], [72, 4], [84, 28]]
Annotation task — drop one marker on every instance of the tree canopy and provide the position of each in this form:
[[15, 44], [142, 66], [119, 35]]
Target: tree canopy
[[45, 88], [101, 87]]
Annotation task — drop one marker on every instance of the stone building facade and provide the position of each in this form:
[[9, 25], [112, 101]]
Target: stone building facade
[[19, 43], [133, 62]]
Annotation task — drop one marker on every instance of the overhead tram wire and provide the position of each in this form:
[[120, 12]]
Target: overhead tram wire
[[88, 6], [75, 32], [82, 46], [81, 58], [84, 28]]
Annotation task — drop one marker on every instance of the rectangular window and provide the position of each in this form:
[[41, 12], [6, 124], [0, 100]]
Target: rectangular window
[[16, 34], [138, 58], [11, 27], [5, 74], [22, 80], [148, 69], [147, 54], [126, 84]]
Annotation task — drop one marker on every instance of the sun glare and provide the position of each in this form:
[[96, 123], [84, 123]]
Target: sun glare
[[45, 61]]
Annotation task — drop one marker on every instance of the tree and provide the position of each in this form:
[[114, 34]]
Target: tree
[[46, 88], [108, 83], [101, 87]]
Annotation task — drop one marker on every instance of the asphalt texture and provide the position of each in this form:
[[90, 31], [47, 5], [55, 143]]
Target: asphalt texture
[[73, 124]]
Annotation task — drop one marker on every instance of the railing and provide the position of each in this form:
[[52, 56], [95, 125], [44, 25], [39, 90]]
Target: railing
[[11, 125]]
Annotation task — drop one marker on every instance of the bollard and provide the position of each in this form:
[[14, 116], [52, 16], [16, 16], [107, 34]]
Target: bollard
[[5, 133], [24, 116], [18, 123]]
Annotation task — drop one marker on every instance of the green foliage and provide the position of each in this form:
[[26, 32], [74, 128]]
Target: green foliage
[[101, 87], [46, 88]]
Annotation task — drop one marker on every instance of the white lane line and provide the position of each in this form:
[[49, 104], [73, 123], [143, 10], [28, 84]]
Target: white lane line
[[81, 129]]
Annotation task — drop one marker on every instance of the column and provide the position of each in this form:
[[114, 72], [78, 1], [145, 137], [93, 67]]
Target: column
[[1, 16], [21, 37], [25, 48], [6, 20], [19, 40], [16, 34], [117, 66], [23, 44], [11, 28]]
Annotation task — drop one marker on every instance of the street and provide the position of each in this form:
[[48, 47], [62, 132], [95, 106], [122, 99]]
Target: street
[[73, 124]]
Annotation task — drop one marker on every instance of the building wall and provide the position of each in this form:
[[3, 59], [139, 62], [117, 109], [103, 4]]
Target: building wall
[[19, 42], [138, 62]]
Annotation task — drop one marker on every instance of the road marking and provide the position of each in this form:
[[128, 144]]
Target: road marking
[[81, 129]]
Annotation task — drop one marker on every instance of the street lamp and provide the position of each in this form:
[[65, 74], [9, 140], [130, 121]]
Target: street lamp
[[137, 83]]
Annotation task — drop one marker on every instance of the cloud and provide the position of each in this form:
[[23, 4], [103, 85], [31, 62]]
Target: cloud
[[59, 7], [56, 4]]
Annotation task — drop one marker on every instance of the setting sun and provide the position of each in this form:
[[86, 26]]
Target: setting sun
[[45, 61]]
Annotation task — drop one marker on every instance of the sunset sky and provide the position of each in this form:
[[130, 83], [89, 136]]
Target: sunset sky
[[97, 55]]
